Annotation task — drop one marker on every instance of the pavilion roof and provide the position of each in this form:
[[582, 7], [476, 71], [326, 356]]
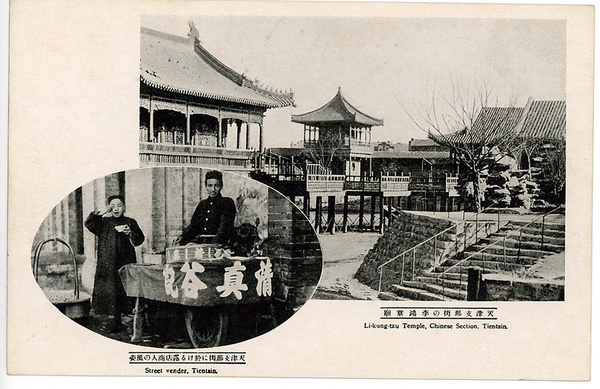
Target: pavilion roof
[[337, 110], [182, 65]]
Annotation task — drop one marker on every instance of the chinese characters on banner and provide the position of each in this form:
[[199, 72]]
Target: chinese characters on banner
[[233, 280]]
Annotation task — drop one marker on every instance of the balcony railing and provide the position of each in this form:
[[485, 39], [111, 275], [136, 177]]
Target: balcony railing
[[360, 146], [395, 184], [325, 183], [362, 183], [172, 154]]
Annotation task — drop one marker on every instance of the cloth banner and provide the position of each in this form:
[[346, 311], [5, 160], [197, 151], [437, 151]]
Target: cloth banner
[[230, 281]]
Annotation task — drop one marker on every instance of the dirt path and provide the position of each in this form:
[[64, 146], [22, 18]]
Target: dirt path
[[342, 255]]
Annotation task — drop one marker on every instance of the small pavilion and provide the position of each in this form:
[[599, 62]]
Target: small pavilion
[[341, 128]]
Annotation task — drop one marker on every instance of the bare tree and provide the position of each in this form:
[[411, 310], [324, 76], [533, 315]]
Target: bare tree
[[472, 126], [527, 146], [328, 149], [554, 168]]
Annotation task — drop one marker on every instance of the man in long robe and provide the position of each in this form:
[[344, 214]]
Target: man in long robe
[[117, 236]]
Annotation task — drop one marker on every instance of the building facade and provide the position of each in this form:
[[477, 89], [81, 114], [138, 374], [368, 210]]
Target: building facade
[[195, 110]]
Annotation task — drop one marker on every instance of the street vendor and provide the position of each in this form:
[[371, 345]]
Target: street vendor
[[117, 235], [213, 216]]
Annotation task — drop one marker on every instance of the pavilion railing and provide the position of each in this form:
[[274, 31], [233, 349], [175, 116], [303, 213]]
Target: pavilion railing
[[325, 182]]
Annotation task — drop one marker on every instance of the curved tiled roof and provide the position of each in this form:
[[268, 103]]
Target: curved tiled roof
[[337, 109], [537, 120], [182, 65], [545, 119]]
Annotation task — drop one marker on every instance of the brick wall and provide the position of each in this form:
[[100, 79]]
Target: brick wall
[[295, 251]]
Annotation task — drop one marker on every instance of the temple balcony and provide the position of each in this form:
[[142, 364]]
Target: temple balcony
[[366, 184], [360, 147], [325, 183], [165, 154]]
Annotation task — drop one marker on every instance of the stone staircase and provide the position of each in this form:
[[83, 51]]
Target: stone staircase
[[513, 249]]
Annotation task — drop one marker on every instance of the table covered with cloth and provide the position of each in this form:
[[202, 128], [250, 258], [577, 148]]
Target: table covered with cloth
[[228, 281]]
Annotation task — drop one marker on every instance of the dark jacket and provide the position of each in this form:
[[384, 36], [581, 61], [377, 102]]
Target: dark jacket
[[213, 216]]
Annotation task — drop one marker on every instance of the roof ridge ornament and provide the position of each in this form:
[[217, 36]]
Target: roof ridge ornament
[[194, 34]]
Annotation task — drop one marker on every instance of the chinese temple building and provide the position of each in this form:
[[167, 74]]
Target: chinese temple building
[[195, 110], [338, 127]]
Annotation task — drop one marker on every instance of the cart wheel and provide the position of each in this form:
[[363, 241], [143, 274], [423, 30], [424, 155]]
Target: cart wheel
[[206, 328]]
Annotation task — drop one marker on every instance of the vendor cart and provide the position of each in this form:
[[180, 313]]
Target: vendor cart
[[207, 282]]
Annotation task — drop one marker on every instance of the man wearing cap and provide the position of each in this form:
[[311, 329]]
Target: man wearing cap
[[117, 235], [213, 216]]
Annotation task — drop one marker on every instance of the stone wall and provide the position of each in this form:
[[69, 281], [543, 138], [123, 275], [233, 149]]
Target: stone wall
[[406, 231], [498, 288]]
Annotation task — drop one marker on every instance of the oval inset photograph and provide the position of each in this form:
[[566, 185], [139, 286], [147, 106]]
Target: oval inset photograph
[[177, 257]]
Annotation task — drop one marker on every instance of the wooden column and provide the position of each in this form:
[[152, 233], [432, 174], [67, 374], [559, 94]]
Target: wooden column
[[220, 133], [372, 222], [361, 211], [261, 139], [247, 136], [331, 214], [390, 208], [239, 132], [306, 205], [318, 212], [151, 129], [381, 214], [345, 222], [188, 127]]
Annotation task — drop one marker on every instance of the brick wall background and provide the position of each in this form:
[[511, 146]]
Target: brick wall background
[[295, 251]]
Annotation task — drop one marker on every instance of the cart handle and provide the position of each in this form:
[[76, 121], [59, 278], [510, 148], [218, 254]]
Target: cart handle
[[36, 259]]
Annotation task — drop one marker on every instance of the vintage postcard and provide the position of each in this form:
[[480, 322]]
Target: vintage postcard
[[263, 189]]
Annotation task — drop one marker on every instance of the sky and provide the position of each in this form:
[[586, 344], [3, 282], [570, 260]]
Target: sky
[[389, 68]]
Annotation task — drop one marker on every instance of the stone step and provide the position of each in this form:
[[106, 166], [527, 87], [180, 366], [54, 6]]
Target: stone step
[[453, 276], [547, 232], [447, 282], [491, 257], [508, 251], [416, 294], [548, 226], [533, 234], [462, 270], [553, 245], [437, 289], [389, 296], [486, 266], [530, 235]]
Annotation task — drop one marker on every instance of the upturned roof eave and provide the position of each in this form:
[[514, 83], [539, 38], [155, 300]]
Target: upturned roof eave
[[349, 113], [271, 99], [213, 96]]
